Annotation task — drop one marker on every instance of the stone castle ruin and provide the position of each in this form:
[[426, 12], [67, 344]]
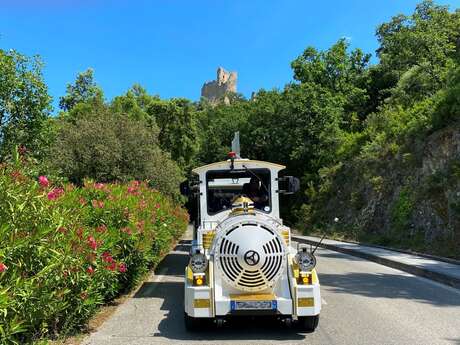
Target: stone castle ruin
[[217, 89]]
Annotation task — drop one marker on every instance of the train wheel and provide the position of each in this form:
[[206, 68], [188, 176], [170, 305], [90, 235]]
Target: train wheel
[[192, 324], [308, 323]]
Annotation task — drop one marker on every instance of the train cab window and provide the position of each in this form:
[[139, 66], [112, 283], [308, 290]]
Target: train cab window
[[223, 186]]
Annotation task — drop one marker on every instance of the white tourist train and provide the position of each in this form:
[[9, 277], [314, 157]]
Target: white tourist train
[[241, 259]]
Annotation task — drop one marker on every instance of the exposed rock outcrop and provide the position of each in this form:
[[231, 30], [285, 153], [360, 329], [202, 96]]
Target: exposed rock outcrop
[[217, 90], [410, 199]]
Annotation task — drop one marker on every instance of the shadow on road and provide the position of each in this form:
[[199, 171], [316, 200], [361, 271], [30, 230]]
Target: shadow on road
[[336, 255], [183, 246], [378, 285], [172, 326], [172, 295]]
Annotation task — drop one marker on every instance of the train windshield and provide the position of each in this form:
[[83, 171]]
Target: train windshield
[[223, 186]]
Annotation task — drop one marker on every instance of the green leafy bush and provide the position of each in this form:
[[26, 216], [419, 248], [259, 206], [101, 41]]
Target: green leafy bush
[[401, 211], [449, 108], [108, 146], [64, 250]]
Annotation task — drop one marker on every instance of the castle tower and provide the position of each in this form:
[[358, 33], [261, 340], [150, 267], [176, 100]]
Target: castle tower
[[225, 82]]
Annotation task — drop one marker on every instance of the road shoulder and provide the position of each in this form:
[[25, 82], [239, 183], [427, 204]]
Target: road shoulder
[[443, 272]]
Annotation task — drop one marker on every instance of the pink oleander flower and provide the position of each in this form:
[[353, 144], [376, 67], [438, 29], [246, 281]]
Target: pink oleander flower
[[112, 266], [99, 185], [98, 204], [102, 228], [92, 242], [140, 225], [122, 267], [90, 270], [107, 258], [3, 267], [55, 193], [43, 181], [80, 233], [126, 230], [132, 190], [157, 206]]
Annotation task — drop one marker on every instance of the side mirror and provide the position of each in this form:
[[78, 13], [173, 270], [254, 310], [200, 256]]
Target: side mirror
[[185, 188], [289, 185]]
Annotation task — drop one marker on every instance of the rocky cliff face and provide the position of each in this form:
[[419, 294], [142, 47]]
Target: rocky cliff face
[[438, 212], [411, 200], [216, 90]]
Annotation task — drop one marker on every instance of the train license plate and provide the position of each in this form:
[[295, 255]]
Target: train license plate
[[253, 305]]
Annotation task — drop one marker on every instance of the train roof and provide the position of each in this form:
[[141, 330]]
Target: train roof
[[238, 163]]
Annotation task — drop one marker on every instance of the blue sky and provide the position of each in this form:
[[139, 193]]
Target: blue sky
[[172, 47]]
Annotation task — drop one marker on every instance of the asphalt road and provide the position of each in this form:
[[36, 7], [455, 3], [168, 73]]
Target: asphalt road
[[363, 303]]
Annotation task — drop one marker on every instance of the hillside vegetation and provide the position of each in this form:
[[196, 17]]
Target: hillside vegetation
[[376, 145]]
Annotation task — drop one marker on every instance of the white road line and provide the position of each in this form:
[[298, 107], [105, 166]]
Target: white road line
[[324, 301]]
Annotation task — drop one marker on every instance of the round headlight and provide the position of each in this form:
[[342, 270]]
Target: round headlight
[[305, 260], [198, 263]]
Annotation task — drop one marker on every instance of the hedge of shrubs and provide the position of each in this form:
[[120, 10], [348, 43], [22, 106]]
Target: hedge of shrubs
[[65, 250]]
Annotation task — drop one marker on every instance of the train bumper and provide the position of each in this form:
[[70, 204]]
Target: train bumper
[[198, 300], [307, 300], [205, 302]]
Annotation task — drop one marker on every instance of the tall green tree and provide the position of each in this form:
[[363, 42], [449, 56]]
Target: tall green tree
[[84, 90], [344, 73], [135, 103], [417, 51], [177, 122], [298, 127], [24, 103], [217, 124]]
